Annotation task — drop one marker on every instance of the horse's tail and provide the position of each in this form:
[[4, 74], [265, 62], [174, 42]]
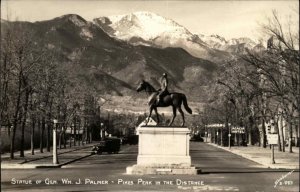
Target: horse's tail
[[185, 104]]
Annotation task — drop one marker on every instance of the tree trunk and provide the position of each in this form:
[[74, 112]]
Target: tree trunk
[[43, 126], [39, 128], [79, 140], [279, 143], [49, 126], [48, 143], [90, 134], [252, 128], [9, 130], [235, 139], [75, 134], [33, 121], [282, 134], [64, 137], [298, 127], [32, 136], [279, 136], [24, 122], [60, 138], [22, 136], [87, 139], [65, 126], [83, 135], [290, 137], [263, 109], [86, 133], [70, 137], [250, 135], [12, 141], [264, 136], [215, 136], [15, 123], [297, 135]]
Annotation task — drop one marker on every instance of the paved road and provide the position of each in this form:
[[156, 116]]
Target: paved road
[[221, 171]]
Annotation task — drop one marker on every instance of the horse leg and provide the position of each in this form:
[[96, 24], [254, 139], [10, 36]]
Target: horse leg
[[174, 115], [155, 109], [182, 115], [150, 113]]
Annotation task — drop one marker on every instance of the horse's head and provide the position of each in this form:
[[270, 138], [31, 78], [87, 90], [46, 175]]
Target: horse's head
[[142, 86]]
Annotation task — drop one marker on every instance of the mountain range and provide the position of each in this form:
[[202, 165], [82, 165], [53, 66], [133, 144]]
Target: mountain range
[[150, 29], [114, 53]]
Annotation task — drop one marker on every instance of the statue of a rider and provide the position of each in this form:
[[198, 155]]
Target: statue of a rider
[[163, 91]]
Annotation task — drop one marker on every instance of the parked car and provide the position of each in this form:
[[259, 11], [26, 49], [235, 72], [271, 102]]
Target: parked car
[[133, 139], [124, 140], [197, 138], [243, 143], [109, 145]]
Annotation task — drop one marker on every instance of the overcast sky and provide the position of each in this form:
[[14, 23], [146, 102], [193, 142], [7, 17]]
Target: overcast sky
[[229, 19]]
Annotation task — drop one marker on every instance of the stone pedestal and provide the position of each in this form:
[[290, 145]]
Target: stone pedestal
[[163, 150]]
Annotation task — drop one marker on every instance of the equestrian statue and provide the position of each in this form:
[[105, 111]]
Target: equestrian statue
[[162, 98]]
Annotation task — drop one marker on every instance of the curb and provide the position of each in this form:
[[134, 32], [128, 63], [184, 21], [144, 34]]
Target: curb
[[37, 166], [72, 161], [52, 155], [47, 156], [256, 161]]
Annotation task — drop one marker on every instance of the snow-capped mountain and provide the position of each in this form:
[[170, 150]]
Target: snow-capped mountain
[[235, 45], [150, 29], [145, 28], [214, 41]]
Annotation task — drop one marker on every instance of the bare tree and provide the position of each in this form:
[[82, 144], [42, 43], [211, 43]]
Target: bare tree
[[278, 66]]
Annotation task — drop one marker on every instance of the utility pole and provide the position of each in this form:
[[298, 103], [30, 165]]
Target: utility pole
[[272, 155], [55, 158], [229, 137]]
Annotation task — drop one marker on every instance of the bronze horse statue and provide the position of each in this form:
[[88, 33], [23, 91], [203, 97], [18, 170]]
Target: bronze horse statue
[[172, 99]]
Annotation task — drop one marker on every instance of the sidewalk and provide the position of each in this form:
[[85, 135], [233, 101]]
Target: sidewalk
[[44, 160], [283, 160]]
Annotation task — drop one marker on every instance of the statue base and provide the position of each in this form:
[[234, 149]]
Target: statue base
[[162, 170], [163, 150]]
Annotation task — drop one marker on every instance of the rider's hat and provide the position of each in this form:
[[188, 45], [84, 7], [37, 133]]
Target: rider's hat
[[164, 74]]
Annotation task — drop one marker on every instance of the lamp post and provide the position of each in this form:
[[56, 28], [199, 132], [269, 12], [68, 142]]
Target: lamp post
[[229, 137], [217, 137], [221, 136], [55, 159], [101, 131], [206, 133]]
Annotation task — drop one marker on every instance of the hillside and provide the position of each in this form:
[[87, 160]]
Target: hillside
[[150, 29], [114, 67]]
